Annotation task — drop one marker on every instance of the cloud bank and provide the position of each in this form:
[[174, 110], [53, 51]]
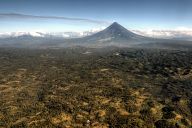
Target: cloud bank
[[176, 33]]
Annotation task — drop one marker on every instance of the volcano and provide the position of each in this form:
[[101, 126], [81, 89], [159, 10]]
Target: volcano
[[115, 34]]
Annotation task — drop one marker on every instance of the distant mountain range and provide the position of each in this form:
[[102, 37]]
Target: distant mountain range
[[48, 34], [179, 33], [114, 35]]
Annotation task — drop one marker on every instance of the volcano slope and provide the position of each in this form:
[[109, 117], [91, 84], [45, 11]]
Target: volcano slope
[[108, 87]]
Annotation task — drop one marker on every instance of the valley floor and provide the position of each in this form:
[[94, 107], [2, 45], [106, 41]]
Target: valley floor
[[97, 88]]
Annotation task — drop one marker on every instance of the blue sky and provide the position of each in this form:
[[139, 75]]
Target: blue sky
[[133, 14]]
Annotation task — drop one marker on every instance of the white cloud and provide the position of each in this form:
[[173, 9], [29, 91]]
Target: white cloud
[[175, 33]]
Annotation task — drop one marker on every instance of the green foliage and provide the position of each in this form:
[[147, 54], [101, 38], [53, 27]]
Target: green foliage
[[137, 88]]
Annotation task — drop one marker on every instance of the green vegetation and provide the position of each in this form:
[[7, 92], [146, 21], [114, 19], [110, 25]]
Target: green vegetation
[[97, 88]]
